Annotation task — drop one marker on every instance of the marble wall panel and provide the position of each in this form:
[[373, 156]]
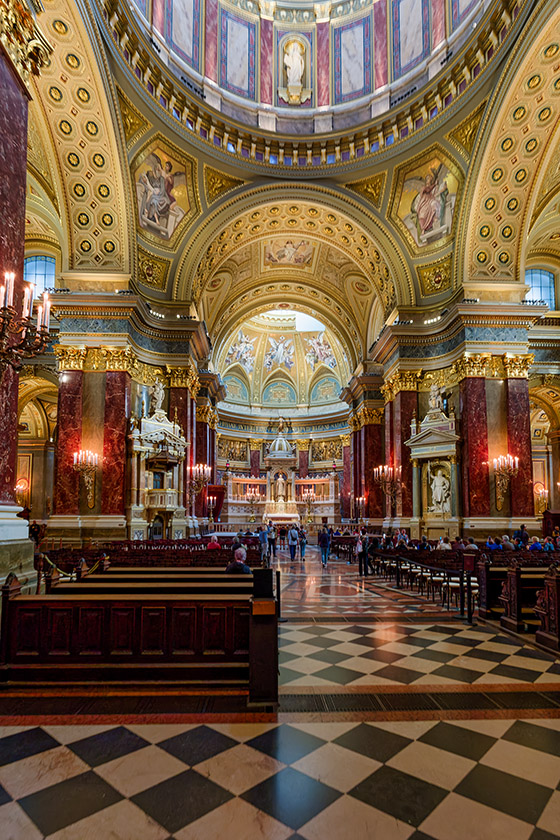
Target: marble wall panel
[[238, 37], [346, 488], [255, 463], [405, 407], [460, 9], [69, 440], [13, 159], [474, 431], [182, 31], [352, 59], [519, 444], [438, 22], [116, 414], [266, 61], [158, 15], [372, 448], [303, 463], [411, 34], [389, 443], [93, 420], [211, 40], [323, 63], [380, 47]]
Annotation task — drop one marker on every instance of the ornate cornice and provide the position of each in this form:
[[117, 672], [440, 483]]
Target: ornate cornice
[[303, 444], [184, 377], [255, 444], [103, 359], [365, 416], [345, 440], [23, 40], [496, 367]]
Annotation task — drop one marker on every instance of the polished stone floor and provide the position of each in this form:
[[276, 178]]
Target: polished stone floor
[[310, 590]]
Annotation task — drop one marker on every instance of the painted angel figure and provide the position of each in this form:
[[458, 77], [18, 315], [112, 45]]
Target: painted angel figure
[[427, 209], [281, 352], [320, 352], [242, 351]]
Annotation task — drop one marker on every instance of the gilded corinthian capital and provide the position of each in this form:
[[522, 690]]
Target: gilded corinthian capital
[[22, 39]]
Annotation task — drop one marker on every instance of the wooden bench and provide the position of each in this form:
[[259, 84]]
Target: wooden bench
[[125, 635], [547, 610], [519, 597]]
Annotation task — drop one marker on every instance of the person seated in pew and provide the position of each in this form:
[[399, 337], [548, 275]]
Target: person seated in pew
[[213, 544], [548, 544], [518, 544], [471, 545], [507, 544], [444, 545], [535, 544], [424, 545], [238, 565]]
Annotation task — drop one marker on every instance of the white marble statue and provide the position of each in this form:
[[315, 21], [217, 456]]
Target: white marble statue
[[294, 54], [156, 396], [436, 401], [441, 491], [280, 489]]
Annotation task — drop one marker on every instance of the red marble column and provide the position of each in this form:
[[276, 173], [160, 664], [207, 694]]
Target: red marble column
[[389, 446], [69, 440], [255, 462], [346, 481], [323, 61], [474, 427], [179, 400], [405, 408], [380, 50], [115, 423], [372, 449], [211, 41], [519, 444], [357, 465], [303, 463], [13, 161], [202, 457], [266, 61]]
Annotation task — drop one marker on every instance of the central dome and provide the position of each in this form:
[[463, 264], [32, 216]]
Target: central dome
[[302, 67]]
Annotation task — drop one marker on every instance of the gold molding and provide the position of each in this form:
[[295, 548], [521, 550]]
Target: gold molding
[[134, 124], [371, 188], [255, 444], [23, 41], [152, 271], [435, 277], [463, 136], [303, 444], [103, 359], [404, 380], [345, 440], [207, 414], [217, 183]]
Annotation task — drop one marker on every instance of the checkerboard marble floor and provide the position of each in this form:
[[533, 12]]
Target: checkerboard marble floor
[[458, 780], [356, 655]]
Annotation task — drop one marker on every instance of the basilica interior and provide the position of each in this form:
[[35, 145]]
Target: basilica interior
[[271, 265]]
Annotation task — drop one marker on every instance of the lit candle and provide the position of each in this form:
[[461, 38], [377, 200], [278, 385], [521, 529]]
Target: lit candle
[[25, 307], [495, 465], [47, 311], [39, 317], [9, 277], [2, 296], [75, 457]]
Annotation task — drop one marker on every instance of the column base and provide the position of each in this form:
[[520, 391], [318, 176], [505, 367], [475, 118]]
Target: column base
[[16, 549], [79, 529]]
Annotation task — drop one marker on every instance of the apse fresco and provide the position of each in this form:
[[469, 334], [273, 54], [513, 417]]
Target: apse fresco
[[319, 352], [288, 252], [325, 390], [279, 393], [162, 191], [425, 201], [236, 389], [280, 353], [242, 352]]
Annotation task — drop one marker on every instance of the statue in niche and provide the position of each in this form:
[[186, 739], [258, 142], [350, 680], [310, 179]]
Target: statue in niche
[[436, 401], [294, 54], [294, 60], [281, 425], [280, 488], [157, 395], [440, 487]]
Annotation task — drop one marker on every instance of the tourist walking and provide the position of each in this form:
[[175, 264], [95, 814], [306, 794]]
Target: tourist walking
[[293, 540], [272, 539], [302, 543], [324, 541], [282, 534]]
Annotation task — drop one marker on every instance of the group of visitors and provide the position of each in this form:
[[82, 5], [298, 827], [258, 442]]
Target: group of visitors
[[269, 536]]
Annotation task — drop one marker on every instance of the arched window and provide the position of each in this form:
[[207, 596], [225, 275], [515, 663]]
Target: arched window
[[40, 271], [541, 284]]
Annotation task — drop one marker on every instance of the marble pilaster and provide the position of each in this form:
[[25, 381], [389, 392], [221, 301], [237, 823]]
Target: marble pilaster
[[405, 408], [372, 456], [323, 63], [474, 428], [68, 441], [117, 411], [266, 61], [519, 444], [211, 40], [380, 50], [346, 481]]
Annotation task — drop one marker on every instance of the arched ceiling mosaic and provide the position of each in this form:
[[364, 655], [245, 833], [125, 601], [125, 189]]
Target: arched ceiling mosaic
[[78, 128], [518, 146], [272, 361]]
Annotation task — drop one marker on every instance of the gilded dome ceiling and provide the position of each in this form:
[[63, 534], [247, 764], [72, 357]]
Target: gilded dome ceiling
[[284, 362]]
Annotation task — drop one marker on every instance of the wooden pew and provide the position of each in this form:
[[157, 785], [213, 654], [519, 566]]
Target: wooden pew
[[130, 637], [519, 596], [547, 610]]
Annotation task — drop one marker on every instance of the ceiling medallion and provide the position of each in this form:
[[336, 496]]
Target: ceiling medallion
[[109, 247], [531, 145], [103, 191], [490, 203], [107, 219], [83, 94], [85, 246], [79, 190], [485, 231], [73, 159], [92, 128], [519, 113], [482, 257], [507, 144], [545, 114], [83, 219], [72, 61], [99, 160], [55, 93], [551, 50], [59, 27], [512, 204], [65, 127], [534, 81]]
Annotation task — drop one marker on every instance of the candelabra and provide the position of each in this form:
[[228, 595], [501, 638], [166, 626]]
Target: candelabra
[[360, 507], [211, 504], [506, 467], [309, 499], [21, 338], [85, 463], [541, 500], [389, 478], [252, 496], [198, 477]]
